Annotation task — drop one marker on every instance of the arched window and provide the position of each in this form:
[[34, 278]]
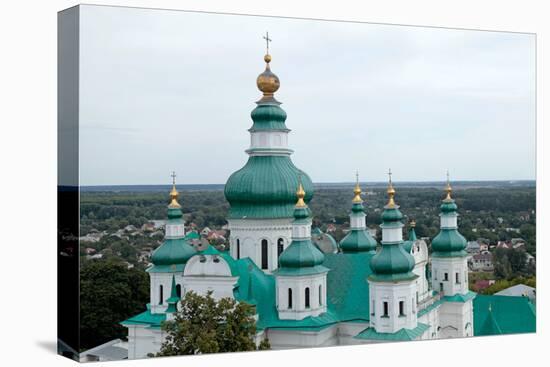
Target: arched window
[[307, 297], [280, 246], [178, 290], [161, 295], [320, 295], [238, 252], [264, 254], [289, 298]]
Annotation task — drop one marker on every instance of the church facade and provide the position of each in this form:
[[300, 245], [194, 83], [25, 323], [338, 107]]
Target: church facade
[[305, 295]]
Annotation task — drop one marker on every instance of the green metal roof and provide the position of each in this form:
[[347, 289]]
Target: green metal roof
[[358, 240], [347, 286], [449, 242], [401, 335], [153, 320], [173, 251], [268, 117], [266, 188], [460, 297], [495, 315]]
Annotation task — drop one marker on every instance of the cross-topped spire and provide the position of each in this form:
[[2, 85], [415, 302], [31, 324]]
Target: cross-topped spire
[[357, 189], [267, 40], [391, 191], [174, 193], [448, 188], [173, 175]]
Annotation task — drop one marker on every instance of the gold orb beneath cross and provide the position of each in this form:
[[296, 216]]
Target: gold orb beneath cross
[[267, 81]]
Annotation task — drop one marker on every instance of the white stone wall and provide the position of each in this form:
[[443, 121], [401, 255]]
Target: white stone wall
[[420, 253], [453, 267], [143, 340], [317, 284], [269, 140], [251, 232], [448, 220], [392, 234], [165, 280], [204, 273], [392, 293], [174, 231], [287, 339], [357, 220], [456, 319], [431, 318]]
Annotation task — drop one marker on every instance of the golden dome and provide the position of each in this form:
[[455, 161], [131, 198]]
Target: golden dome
[[300, 193], [174, 194], [448, 188], [267, 82], [391, 193], [357, 190]]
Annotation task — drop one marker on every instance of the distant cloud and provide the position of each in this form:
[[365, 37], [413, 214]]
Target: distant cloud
[[170, 90]]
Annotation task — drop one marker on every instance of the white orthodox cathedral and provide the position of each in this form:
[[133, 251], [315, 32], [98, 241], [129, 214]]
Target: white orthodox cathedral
[[309, 293]]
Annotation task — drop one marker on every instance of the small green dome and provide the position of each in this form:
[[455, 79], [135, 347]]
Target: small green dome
[[268, 117], [392, 260], [266, 188], [449, 241], [448, 206], [174, 213], [358, 240], [392, 214], [407, 245], [301, 254], [172, 252], [357, 208]]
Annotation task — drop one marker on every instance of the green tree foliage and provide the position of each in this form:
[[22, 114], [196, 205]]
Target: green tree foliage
[[203, 325], [510, 263], [109, 294]]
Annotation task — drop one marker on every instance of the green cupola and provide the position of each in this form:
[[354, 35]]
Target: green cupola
[[264, 187], [392, 262], [301, 257], [174, 298], [358, 239], [407, 245], [175, 250], [449, 242]]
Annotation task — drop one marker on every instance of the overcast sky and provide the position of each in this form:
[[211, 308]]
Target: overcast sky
[[170, 90]]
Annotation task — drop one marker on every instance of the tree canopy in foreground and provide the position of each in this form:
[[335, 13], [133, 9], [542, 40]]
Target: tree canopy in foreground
[[203, 325]]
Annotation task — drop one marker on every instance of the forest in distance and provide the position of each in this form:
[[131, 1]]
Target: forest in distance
[[491, 211], [115, 244]]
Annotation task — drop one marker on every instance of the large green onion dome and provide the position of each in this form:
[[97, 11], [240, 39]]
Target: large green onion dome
[[392, 262], [264, 187], [301, 257], [358, 239], [449, 242], [174, 250]]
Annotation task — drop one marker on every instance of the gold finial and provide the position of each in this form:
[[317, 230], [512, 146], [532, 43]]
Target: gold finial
[[391, 192], [300, 193], [174, 193], [448, 188], [412, 223], [267, 82], [357, 190]]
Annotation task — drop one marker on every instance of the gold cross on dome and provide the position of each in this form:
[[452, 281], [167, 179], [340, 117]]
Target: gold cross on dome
[[389, 175], [267, 40], [173, 175]]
